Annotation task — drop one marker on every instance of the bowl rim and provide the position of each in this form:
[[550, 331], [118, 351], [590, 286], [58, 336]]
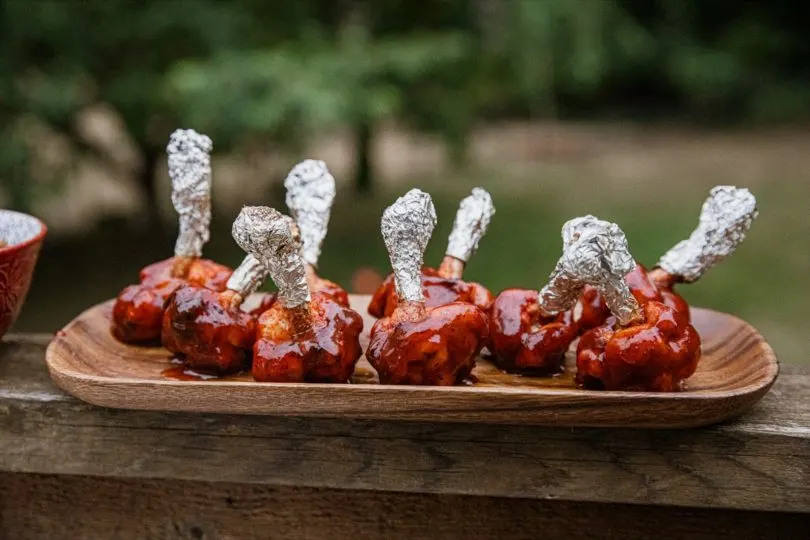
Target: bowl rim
[[37, 238]]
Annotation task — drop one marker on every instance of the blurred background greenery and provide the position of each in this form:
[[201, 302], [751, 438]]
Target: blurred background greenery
[[628, 110]]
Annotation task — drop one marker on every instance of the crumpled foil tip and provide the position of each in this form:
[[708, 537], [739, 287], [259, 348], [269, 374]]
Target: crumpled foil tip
[[264, 233], [595, 252], [725, 219], [407, 226], [472, 220], [190, 172], [310, 194]]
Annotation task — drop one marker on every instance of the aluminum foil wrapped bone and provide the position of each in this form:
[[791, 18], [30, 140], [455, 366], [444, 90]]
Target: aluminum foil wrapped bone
[[310, 193], [296, 233], [251, 273], [407, 226], [725, 219], [247, 277], [472, 219], [264, 233], [596, 253], [190, 172]]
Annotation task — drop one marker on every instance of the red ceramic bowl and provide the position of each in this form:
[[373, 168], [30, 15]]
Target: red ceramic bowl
[[23, 235]]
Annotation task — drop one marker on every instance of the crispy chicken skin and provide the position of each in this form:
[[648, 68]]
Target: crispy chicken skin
[[421, 345], [656, 355], [325, 348]]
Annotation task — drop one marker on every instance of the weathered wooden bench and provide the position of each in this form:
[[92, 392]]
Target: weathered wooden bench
[[72, 470]]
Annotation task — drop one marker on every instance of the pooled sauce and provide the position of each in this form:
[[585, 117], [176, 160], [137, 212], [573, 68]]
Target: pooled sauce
[[485, 374], [491, 376], [364, 376], [183, 373]]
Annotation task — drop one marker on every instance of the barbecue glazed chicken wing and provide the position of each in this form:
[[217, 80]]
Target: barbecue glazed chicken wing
[[444, 286], [655, 348], [523, 339], [208, 330], [427, 346], [649, 346], [418, 344], [303, 337], [530, 332], [138, 311], [318, 345], [655, 354], [725, 219]]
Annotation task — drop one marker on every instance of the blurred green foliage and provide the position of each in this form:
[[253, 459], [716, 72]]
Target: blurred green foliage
[[277, 72]]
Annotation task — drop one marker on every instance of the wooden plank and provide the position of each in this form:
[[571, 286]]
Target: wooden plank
[[760, 462], [45, 507]]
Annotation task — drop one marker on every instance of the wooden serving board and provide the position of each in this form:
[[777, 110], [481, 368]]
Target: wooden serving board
[[737, 369]]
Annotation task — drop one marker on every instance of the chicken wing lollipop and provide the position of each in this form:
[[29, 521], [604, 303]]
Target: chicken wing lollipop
[[445, 285], [303, 337], [310, 193], [138, 311], [208, 330], [530, 332], [644, 347], [418, 344], [725, 219]]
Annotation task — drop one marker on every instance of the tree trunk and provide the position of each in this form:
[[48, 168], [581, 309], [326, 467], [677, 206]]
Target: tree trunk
[[363, 137]]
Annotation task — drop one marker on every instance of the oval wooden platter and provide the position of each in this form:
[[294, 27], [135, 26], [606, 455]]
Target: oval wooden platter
[[737, 369]]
